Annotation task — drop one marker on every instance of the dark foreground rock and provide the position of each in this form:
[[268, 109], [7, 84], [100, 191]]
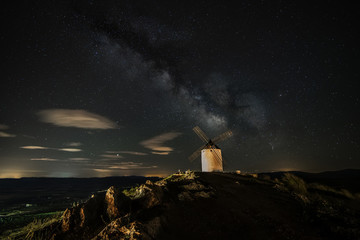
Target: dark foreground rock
[[211, 206]]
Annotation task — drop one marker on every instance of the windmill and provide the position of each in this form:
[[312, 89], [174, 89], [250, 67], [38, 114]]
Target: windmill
[[211, 159]]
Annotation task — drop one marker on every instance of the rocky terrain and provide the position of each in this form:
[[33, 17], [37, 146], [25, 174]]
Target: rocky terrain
[[22, 200], [210, 206]]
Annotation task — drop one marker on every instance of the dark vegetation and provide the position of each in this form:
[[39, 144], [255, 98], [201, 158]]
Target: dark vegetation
[[213, 206], [347, 179], [35, 200]]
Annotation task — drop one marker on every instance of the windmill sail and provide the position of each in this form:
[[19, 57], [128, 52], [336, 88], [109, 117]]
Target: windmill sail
[[201, 134], [196, 154], [222, 137]]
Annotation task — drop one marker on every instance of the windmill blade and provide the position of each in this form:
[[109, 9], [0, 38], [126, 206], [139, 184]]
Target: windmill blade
[[201, 134], [222, 137], [195, 154]]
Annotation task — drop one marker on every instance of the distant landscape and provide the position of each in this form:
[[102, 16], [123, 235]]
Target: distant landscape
[[25, 199]]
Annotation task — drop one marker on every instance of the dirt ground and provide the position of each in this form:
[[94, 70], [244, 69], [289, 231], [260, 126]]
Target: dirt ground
[[242, 209]]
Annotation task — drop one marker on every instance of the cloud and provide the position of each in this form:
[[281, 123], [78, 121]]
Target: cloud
[[76, 118], [112, 156], [73, 144], [3, 127], [156, 143], [44, 159], [34, 147], [58, 149], [4, 134], [79, 159], [128, 152], [69, 149], [161, 153], [123, 166], [102, 170], [127, 165]]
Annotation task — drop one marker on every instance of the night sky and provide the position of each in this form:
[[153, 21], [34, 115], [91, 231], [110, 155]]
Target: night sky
[[105, 88]]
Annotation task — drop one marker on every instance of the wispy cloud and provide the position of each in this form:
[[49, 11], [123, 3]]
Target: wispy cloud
[[161, 153], [157, 143], [128, 152], [8, 135], [79, 159], [73, 144], [67, 161], [102, 170], [76, 118], [127, 165], [111, 156], [44, 159], [34, 147], [123, 166], [57, 149], [5, 134], [69, 149]]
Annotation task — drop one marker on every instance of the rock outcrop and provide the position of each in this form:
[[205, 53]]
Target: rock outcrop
[[116, 203], [149, 195], [78, 220], [118, 229], [131, 214]]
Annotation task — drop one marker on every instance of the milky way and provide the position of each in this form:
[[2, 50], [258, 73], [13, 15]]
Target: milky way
[[100, 88]]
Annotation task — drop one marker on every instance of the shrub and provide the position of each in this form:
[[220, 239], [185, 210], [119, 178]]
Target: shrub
[[347, 194], [130, 192], [295, 183], [326, 189]]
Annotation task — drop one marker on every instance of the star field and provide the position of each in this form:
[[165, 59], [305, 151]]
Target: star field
[[103, 88]]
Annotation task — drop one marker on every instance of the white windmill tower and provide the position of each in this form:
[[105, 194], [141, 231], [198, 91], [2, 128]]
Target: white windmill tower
[[211, 159]]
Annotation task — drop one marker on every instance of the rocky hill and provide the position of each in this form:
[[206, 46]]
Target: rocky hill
[[210, 206]]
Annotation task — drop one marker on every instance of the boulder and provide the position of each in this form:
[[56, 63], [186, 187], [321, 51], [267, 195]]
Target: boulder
[[149, 182], [120, 229], [149, 195], [92, 210], [115, 202], [203, 194], [86, 214], [195, 186], [70, 219]]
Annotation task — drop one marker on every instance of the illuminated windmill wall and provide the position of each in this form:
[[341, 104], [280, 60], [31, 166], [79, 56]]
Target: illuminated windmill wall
[[211, 159]]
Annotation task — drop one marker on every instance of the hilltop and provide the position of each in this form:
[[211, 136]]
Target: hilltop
[[210, 206]]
